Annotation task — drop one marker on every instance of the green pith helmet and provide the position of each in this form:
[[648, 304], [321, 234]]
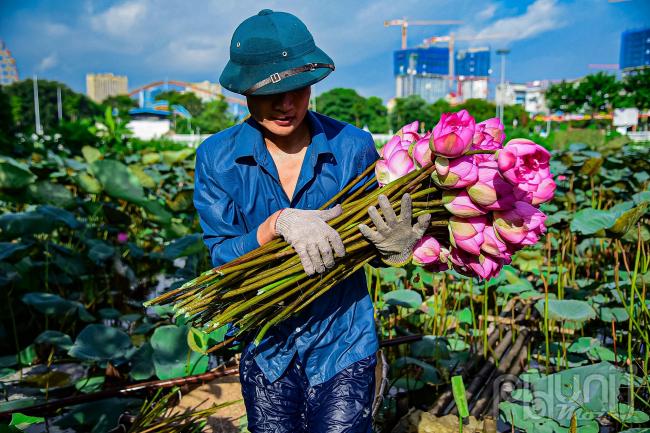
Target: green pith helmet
[[273, 52]]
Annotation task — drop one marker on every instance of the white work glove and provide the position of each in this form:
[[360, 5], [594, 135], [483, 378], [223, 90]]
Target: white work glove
[[314, 240], [395, 238]]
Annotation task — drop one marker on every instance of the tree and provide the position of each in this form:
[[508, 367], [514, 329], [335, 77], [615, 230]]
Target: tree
[[214, 117], [409, 109], [348, 106], [21, 100], [598, 93], [188, 100], [123, 103], [562, 97], [342, 104], [636, 90], [480, 109], [515, 112], [437, 108], [6, 124], [375, 115]]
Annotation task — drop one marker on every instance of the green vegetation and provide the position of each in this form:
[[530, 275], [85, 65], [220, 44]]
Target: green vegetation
[[94, 223], [600, 92]]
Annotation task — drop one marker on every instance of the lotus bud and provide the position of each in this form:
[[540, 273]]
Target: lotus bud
[[453, 135], [455, 173], [458, 203]]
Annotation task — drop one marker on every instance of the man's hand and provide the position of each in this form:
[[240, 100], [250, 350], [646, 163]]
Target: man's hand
[[395, 238], [314, 240]]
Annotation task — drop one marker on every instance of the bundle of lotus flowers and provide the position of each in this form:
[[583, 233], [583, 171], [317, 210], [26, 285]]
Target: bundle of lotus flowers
[[482, 207]]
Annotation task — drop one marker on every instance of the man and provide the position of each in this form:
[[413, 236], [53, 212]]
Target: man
[[265, 178]]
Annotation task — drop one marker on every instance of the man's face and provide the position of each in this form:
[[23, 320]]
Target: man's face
[[280, 114]]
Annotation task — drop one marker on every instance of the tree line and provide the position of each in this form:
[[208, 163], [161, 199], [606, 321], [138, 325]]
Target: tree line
[[348, 106], [80, 113], [600, 92]]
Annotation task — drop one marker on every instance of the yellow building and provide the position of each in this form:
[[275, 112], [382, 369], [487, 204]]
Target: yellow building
[[101, 86]]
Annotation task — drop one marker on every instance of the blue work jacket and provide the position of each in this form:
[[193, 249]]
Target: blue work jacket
[[237, 187]]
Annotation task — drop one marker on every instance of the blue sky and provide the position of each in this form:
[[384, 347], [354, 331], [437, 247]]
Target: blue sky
[[150, 40]]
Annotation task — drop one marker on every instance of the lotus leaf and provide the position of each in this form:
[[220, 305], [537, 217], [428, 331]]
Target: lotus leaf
[[403, 298], [567, 310], [88, 183], [627, 414], [142, 366], [593, 389], [49, 193], [172, 356], [431, 347], [55, 338], [617, 314], [14, 175], [117, 180], [185, 246], [90, 154], [98, 342]]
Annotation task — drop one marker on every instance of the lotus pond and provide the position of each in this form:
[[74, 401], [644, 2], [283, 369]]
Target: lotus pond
[[557, 343]]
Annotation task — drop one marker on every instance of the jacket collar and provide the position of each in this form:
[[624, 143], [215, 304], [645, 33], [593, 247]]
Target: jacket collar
[[250, 142]]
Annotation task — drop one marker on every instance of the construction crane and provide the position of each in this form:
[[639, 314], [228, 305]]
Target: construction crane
[[404, 23], [451, 39]]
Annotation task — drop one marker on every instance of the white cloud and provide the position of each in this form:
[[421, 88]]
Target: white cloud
[[540, 17], [48, 62], [487, 12], [120, 19]]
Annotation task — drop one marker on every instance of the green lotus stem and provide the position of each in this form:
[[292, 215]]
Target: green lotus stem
[[297, 304], [338, 280], [258, 298], [425, 204], [298, 289], [424, 192], [480, 152], [349, 186], [360, 190]]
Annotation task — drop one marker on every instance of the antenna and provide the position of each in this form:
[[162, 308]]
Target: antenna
[[59, 105], [37, 113]]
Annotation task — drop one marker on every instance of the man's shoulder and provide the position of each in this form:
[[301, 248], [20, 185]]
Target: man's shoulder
[[337, 130], [220, 144]]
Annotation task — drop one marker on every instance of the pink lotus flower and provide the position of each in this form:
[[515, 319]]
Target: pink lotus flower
[[526, 165], [409, 132], [482, 266], [455, 173], [521, 225], [394, 144], [538, 191], [460, 259], [467, 233], [399, 164], [422, 152], [122, 237], [426, 251], [493, 245], [460, 204], [489, 135], [491, 191], [440, 265], [520, 160], [485, 266], [453, 135]]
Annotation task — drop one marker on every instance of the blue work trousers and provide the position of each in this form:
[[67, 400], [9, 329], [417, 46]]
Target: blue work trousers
[[343, 404]]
